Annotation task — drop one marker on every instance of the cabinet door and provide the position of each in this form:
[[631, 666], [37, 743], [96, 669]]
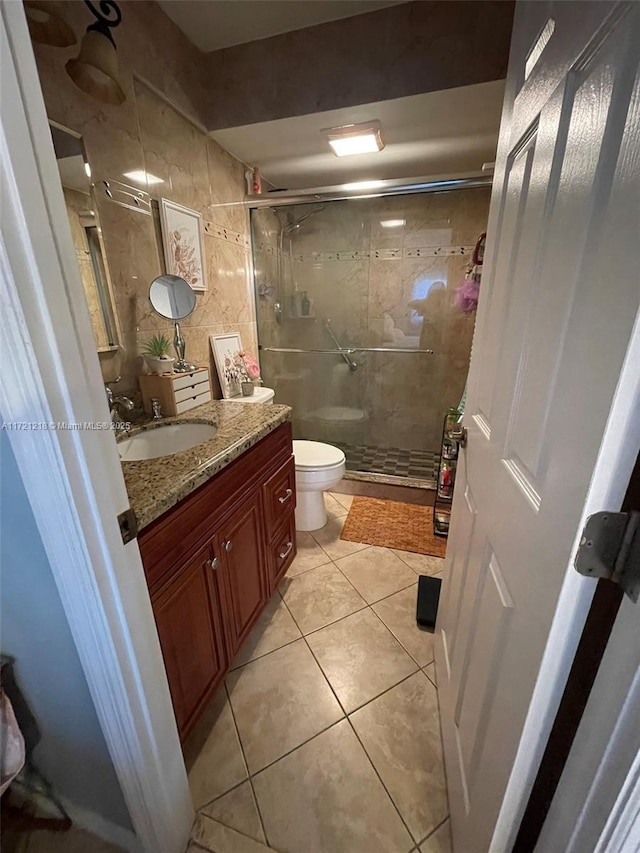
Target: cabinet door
[[188, 618], [240, 546]]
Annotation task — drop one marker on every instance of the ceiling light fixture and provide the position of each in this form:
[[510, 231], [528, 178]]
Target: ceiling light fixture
[[392, 223], [95, 69], [87, 169], [364, 185], [364, 138], [139, 176]]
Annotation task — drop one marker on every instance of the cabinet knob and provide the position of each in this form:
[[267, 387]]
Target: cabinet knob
[[228, 545], [286, 496], [286, 552], [213, 564]]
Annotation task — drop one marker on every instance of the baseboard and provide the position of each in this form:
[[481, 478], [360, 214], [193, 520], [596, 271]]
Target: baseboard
[[81, 817], [102, 828]]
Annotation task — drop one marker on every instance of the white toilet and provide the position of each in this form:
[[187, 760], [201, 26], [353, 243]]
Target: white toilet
[[260, 395], [319, 467]]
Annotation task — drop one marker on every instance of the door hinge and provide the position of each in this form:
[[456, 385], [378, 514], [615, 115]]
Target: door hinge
[[128, 525], [610, 548]]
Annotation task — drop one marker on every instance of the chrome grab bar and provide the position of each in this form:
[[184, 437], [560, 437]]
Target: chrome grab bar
[[349, 351], [350, 363]]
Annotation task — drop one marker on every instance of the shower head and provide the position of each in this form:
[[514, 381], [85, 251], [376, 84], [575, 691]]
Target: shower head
[[293, 224]]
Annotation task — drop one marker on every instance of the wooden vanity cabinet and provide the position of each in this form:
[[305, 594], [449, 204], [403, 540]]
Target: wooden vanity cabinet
[[239, 544], [189, 620], [213, 561]]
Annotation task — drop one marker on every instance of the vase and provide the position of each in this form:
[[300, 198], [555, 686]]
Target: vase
[[159, 365], [248, 389]]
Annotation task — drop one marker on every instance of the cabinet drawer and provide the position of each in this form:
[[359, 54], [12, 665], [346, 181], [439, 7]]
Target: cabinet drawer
[[192, 402], [282, 551], [192, 391], [280, 495], [183, 380]]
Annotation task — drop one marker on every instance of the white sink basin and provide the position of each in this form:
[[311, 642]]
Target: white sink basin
[[164, 440]]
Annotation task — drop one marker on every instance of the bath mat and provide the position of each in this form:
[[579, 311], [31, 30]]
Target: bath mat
[[391, 524]]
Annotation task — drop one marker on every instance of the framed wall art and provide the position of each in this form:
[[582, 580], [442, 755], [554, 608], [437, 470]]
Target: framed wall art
[[183, 243], [225, 348]]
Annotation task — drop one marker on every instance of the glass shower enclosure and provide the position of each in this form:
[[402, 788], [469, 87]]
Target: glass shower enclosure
[[357, 328]]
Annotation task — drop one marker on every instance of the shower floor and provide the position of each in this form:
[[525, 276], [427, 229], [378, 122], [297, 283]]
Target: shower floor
[[392, 461]]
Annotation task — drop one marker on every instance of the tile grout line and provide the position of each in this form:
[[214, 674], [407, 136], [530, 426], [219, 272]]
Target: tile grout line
[[250, 776], [433, 831], [246, 764], [375, 770], [294, 748], [397, 639], [350, 724], [346, 616], [347, 717]]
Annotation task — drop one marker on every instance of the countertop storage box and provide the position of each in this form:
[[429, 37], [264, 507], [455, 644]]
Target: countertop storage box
[[176, 392]]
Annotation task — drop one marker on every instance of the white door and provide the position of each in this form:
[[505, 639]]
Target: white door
[[555, 331]]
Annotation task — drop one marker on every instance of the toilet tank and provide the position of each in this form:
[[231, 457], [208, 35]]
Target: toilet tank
[[260, 395]]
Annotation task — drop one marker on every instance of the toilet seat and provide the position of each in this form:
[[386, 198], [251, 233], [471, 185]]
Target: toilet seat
[[313, 456]]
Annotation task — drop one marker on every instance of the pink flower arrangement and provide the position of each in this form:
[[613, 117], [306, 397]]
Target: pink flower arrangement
[[248, 367]]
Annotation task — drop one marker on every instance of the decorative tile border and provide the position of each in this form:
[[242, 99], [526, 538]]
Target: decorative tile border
[[374, 254], [226, 234], [386, 254], [266, 248]]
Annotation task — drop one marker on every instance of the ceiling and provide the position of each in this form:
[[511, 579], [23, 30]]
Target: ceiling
[[438, 133], [214, 24]]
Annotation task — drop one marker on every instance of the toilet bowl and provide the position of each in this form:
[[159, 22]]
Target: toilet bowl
[[319, 468]]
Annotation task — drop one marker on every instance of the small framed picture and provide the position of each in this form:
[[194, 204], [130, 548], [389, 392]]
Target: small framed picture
[[183, 243], [225, 348]]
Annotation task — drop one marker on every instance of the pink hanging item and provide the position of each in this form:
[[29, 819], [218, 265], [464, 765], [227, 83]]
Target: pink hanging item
[[467, 294]]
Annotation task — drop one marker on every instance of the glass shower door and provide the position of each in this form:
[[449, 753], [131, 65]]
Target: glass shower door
[[356, 322]]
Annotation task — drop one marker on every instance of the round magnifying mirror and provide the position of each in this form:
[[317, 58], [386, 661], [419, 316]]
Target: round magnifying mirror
[[172, 297]]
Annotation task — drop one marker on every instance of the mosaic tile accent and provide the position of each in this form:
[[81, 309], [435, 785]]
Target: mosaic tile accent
[[393, 461], [227, 234], [384, 254]]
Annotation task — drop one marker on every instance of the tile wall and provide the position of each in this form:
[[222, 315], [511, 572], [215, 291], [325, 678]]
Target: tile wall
[[158, 130]]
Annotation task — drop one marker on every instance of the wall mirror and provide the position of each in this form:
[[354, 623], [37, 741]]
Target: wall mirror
[[75, 175], [174, 299]]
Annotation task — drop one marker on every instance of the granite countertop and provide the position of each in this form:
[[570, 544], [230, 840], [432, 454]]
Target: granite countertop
[[155, 485]]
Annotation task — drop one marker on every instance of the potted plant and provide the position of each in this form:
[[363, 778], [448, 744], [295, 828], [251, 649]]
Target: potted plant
[[156, 354], [248, 372]]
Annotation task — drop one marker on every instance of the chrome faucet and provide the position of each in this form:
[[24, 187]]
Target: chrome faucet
[[156, 409], [126, 403]]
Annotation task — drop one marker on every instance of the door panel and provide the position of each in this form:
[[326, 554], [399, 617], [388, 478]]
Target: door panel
[[187, 615], [559, 298], [239, 544]]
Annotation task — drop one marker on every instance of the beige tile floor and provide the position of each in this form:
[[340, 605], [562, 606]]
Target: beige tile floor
[[326, 736]]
